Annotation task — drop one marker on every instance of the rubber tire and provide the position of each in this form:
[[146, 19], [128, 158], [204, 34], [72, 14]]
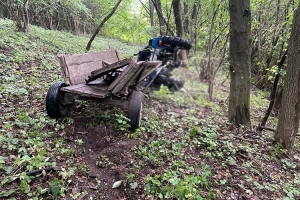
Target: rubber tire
[[54, 107], [135, 109], [176, 41]]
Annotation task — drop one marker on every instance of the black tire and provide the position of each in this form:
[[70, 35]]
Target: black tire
[[54, 107], [176, 41], [135, 109]]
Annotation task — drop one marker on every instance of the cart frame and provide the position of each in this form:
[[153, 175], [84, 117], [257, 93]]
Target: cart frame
[[84, 80]]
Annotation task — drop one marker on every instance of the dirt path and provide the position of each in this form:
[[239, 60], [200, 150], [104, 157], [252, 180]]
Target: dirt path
[[106, 155]]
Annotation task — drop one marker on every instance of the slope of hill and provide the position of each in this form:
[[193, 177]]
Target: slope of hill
[[185, 148]]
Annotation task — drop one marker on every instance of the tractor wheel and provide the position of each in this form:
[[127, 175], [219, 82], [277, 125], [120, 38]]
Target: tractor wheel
[[54, 101], [135, 109], [176, 41]]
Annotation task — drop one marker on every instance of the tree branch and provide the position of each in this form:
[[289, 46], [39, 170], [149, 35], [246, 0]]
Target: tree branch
[[145, 7], [273, 93], [102, 24], [161, 15]]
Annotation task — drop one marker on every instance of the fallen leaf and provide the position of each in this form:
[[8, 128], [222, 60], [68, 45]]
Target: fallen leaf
[[133, 185], [117, 184]]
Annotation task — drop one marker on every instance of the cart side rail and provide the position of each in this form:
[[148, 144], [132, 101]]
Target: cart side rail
[[77, 67]]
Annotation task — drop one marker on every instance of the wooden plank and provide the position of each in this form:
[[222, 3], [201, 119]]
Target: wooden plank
[[149, 67], [77, 67], [98, 91], [123, 75], [134, 73], [128, 80], [64, 69]]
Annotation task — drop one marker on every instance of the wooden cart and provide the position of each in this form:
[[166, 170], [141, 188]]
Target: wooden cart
[[86, 78]]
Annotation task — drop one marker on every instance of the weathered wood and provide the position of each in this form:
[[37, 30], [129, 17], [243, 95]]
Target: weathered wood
[[77, 67], [149, 67], [108, 68], [132, 75], [124, 74], [98, 91], [129, 79]]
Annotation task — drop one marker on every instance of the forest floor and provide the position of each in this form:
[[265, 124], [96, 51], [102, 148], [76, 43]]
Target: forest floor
[[185, 148]]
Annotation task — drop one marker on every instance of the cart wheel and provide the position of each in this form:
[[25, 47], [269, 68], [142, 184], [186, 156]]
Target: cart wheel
[[54, 107], [135, 109]]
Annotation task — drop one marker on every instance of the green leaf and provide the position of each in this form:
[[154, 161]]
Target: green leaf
[[8, 180], [24, 186], [2, 160], [133, 185], [7, 193], [55, 187], [26, 158]]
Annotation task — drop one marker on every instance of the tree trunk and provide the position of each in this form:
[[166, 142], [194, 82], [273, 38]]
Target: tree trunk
[[194, 19], [288, 122], [163, 25], [239, 60], [187, 26], [178, 18], [102, 24], [210, 67], [179, 29], [25, 15], [151, 11]]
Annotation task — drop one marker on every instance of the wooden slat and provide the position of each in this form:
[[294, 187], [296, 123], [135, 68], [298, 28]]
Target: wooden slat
[[77, 67], [98, 91], [150, 67], [123, 75], [132, 74], [129, 79]]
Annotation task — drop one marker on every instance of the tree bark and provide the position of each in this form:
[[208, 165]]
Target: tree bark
[[178, 18], [161, 19], [151, 11], [194, 19], [210, 67], [179, 29], [239, 60], [25, 15], [288, 122], [88, 47], [187, 25]]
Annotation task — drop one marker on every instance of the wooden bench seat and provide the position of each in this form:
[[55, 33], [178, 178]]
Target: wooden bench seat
[[77, 67]]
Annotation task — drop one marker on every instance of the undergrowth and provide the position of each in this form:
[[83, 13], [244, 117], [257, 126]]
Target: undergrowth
[[185, 147]]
